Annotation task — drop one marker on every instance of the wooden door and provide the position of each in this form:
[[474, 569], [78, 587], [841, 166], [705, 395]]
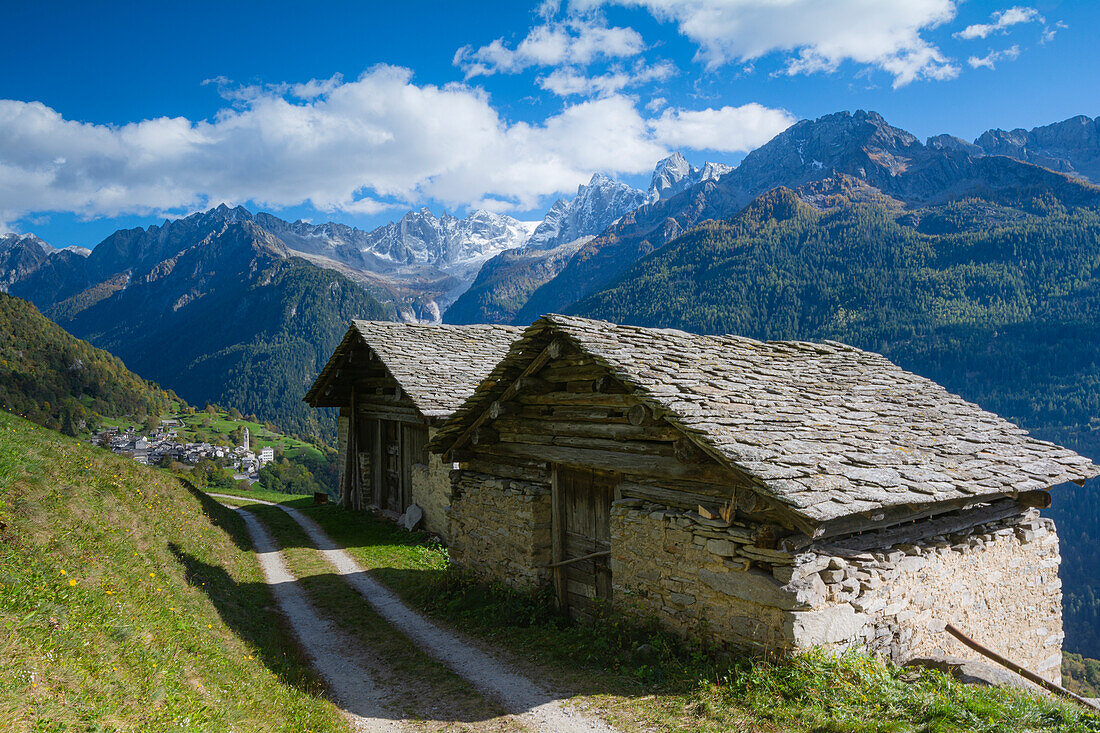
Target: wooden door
[[583, 527], [389, 447]]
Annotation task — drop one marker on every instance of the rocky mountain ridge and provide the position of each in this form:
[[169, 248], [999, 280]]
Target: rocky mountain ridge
[[839, 157], [1071, 147]]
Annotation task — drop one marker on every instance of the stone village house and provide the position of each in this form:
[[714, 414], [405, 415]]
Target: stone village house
[[394, 383], [769, 496]]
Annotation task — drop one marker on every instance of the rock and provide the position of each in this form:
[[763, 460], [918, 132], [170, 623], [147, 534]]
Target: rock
[[752, 586], [645, 653], [839, 624], [973, 672], [412, 517]]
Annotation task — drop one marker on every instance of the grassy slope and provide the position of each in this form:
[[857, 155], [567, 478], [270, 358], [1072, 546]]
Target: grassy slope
[[677, 688], [127, 603]]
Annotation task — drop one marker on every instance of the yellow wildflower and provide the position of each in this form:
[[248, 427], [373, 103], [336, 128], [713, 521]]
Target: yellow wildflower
[[72, 582]]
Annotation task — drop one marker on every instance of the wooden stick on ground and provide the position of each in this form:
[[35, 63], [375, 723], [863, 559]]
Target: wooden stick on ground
[[1023, 672]]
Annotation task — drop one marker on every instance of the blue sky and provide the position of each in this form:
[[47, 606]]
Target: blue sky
[[119, 114]]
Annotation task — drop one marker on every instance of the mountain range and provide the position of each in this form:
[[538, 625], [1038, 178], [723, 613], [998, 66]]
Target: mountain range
[[974, 263], [506, 281], [212, 305], [843, 156]]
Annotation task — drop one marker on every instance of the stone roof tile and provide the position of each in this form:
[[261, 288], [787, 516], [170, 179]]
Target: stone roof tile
[[437, 365]]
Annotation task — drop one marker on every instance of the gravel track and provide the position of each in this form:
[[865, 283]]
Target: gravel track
[[534, 706], [325, 645]]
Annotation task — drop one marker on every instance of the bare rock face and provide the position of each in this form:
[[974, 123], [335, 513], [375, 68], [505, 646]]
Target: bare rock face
[[1071, 146], [594, 208], [20, 255]]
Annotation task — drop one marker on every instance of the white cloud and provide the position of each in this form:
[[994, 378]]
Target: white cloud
[[574, 42], [1050, 31], [886, 34], [1002, 20], [566, 82], [729, 129], [990, 60], [358, 146]]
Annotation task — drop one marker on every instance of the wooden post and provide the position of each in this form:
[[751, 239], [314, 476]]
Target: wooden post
[[351, 459], [1027, 674], [557, 530]]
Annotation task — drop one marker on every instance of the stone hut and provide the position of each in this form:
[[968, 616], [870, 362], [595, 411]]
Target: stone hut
[[769, 496], [394, 383]]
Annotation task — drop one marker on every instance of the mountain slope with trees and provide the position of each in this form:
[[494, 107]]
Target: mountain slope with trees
[[213, 306], [66, 384], [857, 156]]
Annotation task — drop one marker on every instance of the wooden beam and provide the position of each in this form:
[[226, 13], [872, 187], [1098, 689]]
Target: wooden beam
[[657, 466], [1027, 674], [614, 431], [590, 556], [639, 414], [536, 364], [890, 517], [532, 386], [911, 532], [499, 409]]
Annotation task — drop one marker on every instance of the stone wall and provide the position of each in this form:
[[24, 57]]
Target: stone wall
[[709, 579], [500, 528], [999, 585], [701, 577], [431, 491]]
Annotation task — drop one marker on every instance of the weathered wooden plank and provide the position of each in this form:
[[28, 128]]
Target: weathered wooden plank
[[578, 413], [593, 399], [558, 372], [402, 417], [614, 431], [910, 532], [678, 498], [556, 532], [655, 466], [532, 386]]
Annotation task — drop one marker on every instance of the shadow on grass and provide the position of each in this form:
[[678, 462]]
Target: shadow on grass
[[220, 516], [249, 610]]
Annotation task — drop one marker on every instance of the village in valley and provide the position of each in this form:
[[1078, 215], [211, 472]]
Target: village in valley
[[165, 445]]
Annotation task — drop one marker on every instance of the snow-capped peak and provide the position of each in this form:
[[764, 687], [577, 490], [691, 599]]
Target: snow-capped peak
[[674, 174]]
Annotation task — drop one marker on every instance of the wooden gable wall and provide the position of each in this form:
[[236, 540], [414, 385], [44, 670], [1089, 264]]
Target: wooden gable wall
[[571, 411], [388, 431]]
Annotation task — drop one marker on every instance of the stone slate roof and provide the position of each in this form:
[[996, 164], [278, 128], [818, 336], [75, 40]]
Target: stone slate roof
[[827, 429], [438, 366]]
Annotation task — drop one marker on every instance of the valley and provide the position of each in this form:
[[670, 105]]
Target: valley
[[974, 264]]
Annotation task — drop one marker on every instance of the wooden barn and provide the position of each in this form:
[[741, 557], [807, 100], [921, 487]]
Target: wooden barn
[[394, 383], [770, 496]]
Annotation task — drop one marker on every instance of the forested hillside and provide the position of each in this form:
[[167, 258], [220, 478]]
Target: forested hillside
[[66, 384], [213, 306], [1000, 304]]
